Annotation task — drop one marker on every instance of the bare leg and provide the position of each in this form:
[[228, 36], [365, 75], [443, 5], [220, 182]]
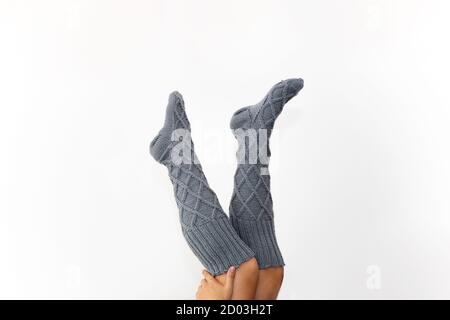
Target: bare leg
[[248, 283], [246, 280], [269, 283]]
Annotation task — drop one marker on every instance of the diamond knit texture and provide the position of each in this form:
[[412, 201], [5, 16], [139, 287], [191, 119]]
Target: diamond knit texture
[[204, 224], [251, 207]]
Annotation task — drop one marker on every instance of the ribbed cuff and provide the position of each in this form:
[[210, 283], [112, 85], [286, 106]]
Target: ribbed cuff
[[259, 235], [218, 246]]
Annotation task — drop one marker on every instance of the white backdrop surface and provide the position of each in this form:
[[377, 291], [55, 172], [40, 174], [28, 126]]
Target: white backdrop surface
[[361, 157]]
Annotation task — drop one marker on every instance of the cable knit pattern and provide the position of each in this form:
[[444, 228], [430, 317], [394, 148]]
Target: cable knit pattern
[[204, 224], [251, 208]]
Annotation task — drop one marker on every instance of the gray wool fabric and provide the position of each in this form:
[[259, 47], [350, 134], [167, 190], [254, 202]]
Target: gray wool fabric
[[205, 226], [251, 208]]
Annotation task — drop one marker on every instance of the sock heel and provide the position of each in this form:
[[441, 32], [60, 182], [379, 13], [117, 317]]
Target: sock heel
[[241, 119], [159, 148]]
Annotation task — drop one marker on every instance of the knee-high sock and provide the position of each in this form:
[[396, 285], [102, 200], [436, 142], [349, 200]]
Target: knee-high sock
[[251, 211], [205, 226]]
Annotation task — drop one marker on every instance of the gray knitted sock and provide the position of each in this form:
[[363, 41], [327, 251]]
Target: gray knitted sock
[[251, 210], [205, 226]]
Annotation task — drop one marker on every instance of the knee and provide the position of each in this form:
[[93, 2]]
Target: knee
[[273, 276], [253, 265], [246, 280], [249, 268]]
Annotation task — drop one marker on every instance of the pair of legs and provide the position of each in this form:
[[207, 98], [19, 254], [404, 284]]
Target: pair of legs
[[252, 283], [246, 239]]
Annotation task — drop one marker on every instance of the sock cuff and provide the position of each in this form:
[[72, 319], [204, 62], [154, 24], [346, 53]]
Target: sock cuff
[[260, 236], [218, 246]]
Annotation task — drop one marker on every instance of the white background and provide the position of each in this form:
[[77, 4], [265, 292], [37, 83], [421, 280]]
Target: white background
[[361, 157]]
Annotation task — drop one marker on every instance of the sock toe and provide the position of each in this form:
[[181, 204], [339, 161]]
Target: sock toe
[[176, 118], [175, 113], [294, 86]]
